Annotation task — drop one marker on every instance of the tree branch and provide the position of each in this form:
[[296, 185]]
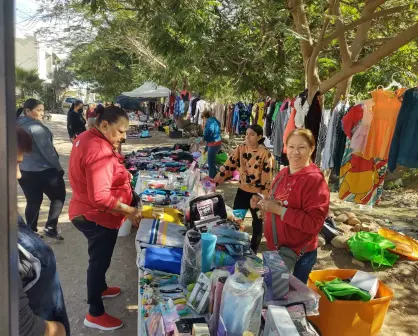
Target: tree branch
[[368, 61], [345, 53], [354, 24], [378, 40]]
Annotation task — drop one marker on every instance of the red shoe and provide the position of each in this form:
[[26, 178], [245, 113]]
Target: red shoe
[[111, 292], [104, 322]]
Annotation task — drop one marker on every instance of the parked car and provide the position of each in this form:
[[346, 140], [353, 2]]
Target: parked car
[[66, 104]]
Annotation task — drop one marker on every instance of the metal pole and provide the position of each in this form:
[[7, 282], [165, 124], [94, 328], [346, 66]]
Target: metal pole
[[9, 324]]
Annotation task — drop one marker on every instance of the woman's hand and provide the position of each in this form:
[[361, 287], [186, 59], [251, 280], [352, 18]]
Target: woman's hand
[[271, 206], [135, 217], [254, 202]]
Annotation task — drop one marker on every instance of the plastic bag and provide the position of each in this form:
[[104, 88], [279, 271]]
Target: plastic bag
[[370, 246], [299, 293], [337, 289], [241, 305], [221, 158], [191, 262]]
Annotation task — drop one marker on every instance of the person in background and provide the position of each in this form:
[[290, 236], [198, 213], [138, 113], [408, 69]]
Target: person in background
[[255, 165], [41, 170], [41, 301], [102, 199], [299, 202], [91, 115], [212, 137], [76, 124]]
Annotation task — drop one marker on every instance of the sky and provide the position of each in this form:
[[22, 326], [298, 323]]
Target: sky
[[25, 11]]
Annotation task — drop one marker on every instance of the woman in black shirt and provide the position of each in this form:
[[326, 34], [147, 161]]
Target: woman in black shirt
[[76, 124]]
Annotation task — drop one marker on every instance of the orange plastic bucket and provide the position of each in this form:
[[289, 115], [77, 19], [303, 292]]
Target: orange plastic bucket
[[349, 318]]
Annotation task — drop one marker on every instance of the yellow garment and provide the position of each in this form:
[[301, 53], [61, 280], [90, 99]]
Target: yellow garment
[[166, 214], [257, 114]]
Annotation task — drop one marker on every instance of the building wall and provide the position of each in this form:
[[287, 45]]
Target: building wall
[[31, 54]]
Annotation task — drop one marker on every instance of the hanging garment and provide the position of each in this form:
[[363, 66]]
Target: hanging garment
[[327, 161], [289, 128], [385, 114], [193, 105], [171, 104], [229, 117], [302, 107], [279, 132], [340, 141], [241, 120], [257, 113], [322, 137], [218, 112], [177, 107], [313, 120], [404, 149], [200, 107], [361, 178], [358, 142], [269, 120]]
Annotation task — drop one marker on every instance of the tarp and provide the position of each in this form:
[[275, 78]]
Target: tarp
[[148, 90], [129, 103]]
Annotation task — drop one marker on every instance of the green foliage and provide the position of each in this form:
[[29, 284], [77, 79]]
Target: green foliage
[[225, 50], [28, 83]]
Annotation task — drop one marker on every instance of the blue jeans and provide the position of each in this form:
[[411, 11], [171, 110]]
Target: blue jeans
[[304, 265], [212, 152]]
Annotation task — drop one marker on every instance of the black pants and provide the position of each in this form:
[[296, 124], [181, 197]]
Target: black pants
[[34, 185], [101, 243], [242, 201]]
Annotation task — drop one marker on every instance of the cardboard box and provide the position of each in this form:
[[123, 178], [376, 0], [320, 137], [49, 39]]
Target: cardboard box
[[199, 299]]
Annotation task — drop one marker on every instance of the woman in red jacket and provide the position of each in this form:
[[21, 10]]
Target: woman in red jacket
[[299, 202], [101, 201]]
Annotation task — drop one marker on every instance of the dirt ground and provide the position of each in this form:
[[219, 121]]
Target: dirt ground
[[71, 254]]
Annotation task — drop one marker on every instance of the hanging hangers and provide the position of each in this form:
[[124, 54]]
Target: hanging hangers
[[393, 83]]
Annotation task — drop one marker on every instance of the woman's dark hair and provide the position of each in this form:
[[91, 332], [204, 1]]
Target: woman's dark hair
[[111, 114], [99, 109], [259, 131], [24, 140], [207, 114], [29, 104], [74, 104]]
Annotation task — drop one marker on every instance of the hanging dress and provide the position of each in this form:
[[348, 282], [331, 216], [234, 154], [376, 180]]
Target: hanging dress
[[385, 114], [361, 178]]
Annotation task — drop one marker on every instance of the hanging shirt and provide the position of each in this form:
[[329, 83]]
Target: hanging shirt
[[302, 109], [320, 143], [358, 142], [404, 149], [289, 128], [327, 161]]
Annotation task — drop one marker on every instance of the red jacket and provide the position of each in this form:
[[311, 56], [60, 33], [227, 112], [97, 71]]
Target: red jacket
[[98, 179], [305, 197]]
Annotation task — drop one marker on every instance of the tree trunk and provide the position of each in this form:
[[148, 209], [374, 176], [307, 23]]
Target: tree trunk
[[342, 91]]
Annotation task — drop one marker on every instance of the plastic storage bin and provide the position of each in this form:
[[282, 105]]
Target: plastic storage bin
[[349, 318]]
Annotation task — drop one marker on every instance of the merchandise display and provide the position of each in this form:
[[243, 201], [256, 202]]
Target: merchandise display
[[198, 275]]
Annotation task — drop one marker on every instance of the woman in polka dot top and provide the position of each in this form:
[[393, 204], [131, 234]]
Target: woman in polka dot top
[[254, 163]]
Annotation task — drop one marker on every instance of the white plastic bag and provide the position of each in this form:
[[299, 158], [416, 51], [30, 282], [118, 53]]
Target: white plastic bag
[[242, 301]]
